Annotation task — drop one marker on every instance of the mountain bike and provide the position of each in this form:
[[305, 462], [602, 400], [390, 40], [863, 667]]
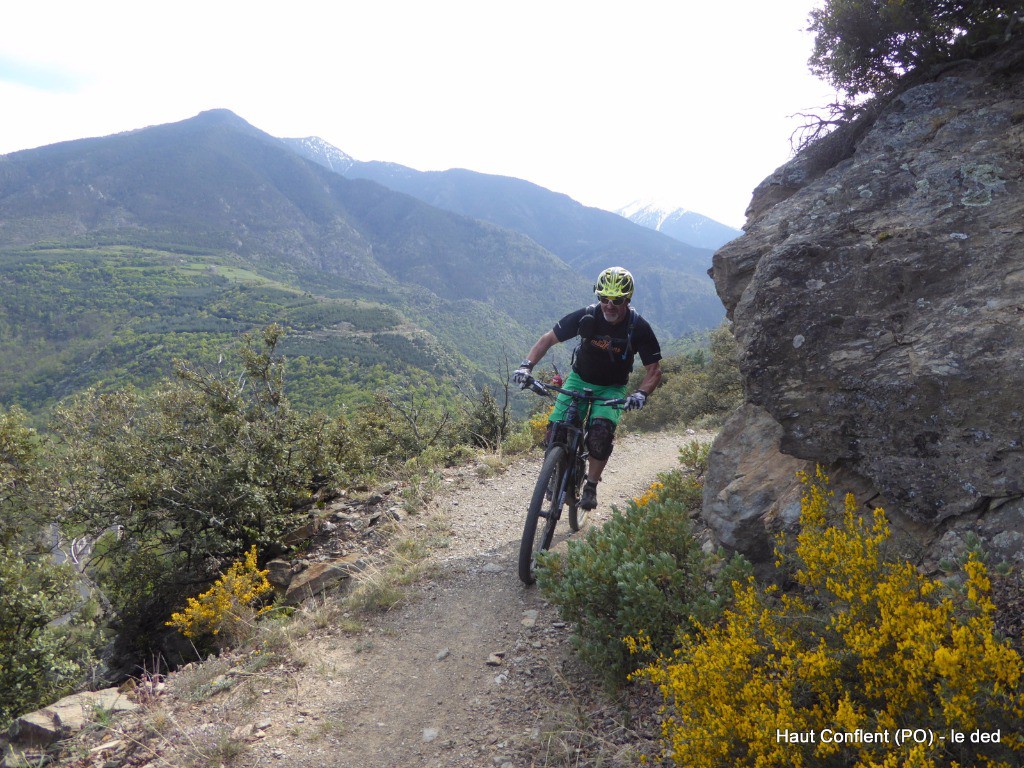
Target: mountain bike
[[561, 477]]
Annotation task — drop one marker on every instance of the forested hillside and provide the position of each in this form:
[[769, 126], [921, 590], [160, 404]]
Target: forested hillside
[[119, 253], [119, 315]]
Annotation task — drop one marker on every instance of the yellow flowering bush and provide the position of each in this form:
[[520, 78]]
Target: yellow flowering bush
[[868, 663], [652, 494], [230, 602], [538, 424]]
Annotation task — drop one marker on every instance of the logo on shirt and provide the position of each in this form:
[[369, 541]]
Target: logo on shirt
[[605, 344]]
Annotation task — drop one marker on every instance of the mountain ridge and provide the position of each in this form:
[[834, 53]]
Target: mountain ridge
[[673, 287], [221, 227], [212, 206]]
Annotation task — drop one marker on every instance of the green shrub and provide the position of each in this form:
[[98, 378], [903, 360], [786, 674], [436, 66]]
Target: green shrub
[[694, 456], [680, 487], [684, 485], [40, 661], [201, 468], [192, 476], [489, 421], [23, 512], [642, 573], [414, 427]]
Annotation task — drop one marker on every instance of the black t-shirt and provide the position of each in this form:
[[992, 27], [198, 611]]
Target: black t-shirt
[[605, 358]]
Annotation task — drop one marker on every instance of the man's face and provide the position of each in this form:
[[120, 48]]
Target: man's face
[[613, 313]]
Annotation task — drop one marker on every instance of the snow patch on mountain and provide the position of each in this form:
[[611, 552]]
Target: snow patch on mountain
[[648, 206], [319, 151], [682, 224]]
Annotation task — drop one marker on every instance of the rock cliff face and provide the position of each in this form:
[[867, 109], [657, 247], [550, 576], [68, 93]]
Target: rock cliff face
[[877, 296]]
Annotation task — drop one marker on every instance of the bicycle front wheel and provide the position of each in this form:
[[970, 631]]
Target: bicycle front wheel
[[542, 516]]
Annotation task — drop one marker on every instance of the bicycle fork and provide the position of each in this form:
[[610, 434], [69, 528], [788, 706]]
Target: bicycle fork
[[559, 495]]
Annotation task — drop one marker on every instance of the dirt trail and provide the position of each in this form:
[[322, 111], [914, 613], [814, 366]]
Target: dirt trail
[[472, 670]]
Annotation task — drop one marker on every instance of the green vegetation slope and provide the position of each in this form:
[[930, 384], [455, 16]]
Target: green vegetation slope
[[122, 252]]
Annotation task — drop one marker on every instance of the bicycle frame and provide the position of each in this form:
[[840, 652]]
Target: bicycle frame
[[575, 424], [561, 476]]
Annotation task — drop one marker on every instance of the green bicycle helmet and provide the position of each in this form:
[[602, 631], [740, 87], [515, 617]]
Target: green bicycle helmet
[[615, 282]]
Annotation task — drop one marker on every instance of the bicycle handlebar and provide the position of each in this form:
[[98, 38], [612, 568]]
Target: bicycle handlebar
[[541, 388]]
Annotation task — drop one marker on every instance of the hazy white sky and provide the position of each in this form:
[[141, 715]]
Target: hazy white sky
[[687, 102]]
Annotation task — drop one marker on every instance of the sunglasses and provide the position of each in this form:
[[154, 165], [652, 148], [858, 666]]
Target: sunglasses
[[617, 301]]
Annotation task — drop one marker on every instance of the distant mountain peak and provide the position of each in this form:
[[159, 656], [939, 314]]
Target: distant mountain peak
[[218, 113], [679, 223], [220, 117], [650, 203], [653, 209]]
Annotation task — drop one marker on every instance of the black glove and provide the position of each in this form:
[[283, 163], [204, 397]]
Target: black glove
[[636, 401], [521, 375]]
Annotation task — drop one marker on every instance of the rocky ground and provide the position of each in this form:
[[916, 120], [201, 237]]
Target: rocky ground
[[470, 669]]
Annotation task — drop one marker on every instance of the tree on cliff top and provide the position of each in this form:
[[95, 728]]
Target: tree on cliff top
[[864, 47]]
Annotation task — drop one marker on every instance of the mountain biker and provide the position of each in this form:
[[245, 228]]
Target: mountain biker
[[611, 334]]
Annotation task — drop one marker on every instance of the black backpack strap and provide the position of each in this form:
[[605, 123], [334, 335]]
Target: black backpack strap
[[629, 334], [586, 332], [587, 323]]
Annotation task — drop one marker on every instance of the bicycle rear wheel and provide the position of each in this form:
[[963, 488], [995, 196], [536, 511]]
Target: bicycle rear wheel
[[542, 516]]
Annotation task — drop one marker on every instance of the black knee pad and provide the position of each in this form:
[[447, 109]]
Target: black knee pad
[[600, 439]]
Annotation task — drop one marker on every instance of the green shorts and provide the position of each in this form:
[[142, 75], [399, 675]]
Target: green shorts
[[574, 382]]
